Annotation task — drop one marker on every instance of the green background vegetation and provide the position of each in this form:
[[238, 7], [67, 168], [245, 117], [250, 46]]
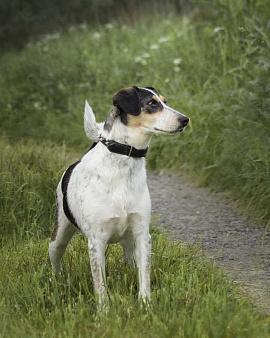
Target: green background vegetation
[[211, 61]]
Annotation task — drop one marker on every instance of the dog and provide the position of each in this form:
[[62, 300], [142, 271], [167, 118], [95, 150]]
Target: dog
[[105, 195]]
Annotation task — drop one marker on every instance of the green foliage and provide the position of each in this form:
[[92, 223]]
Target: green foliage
[[26, 20], [30, 173], [190, 298], [211, 65]]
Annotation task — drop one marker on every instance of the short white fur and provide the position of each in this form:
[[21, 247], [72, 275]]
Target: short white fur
[[109, 199]]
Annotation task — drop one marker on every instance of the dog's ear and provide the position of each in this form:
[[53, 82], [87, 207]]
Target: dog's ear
[[128, 100], [90, 124]]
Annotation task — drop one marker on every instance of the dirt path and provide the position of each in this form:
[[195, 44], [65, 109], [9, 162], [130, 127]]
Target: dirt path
[[195, 215]]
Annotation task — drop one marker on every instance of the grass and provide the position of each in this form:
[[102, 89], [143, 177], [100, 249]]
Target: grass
[[190, 297], [213, 66]]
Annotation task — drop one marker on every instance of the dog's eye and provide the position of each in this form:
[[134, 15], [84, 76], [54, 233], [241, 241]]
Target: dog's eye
[[165, 101], [152, 102]]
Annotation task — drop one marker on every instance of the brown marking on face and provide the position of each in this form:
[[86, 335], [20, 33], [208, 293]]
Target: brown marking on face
[[156, 99], [143, 120]]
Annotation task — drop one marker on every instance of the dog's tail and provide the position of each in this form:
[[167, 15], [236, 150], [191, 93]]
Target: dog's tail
[[91, 127]]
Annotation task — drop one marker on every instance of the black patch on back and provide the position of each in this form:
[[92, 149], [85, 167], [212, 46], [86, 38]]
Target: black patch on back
[[64, 187]]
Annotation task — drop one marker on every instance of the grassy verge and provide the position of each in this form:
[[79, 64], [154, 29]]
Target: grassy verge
[[190, 297], [211, 65]]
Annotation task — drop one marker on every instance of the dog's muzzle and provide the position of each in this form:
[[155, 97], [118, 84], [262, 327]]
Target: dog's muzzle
[[183, 120]]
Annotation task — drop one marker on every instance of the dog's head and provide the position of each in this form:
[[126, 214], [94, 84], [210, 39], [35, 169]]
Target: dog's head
[[145, 108]]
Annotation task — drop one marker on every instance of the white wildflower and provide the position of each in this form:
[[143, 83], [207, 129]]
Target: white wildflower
[[138, 59], [96, 35], [72, 28], [146, 55], [154, 47], [177, 69], [37, 105], [218, 28], [164, 39], [177, 62], [83, 26], [109, 25], [141, 60], [49, 37]]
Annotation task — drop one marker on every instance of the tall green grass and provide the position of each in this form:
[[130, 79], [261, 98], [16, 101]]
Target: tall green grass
[[211, 65], [190, 298], [30, 173]]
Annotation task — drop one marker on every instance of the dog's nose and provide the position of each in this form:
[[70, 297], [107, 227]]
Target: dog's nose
[[183, 120]]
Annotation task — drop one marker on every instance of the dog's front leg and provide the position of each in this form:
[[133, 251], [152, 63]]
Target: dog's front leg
[[143, 260], [97, 249]]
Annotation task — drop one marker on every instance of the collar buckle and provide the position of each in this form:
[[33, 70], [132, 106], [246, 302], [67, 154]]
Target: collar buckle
[[130, 151]]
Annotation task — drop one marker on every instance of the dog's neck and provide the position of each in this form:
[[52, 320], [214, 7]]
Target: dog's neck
[[135, 137]]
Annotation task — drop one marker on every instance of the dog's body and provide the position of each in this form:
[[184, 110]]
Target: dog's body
[[105, 194]]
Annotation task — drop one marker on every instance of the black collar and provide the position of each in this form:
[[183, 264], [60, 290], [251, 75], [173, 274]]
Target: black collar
[[123, 149]]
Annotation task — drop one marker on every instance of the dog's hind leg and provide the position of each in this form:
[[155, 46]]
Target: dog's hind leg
[[62, 234]]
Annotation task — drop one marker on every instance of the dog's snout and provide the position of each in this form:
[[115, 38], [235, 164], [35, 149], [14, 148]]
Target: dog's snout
[[183, 120]]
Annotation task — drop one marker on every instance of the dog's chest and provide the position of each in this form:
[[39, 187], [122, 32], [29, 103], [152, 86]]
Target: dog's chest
[[106, 195]]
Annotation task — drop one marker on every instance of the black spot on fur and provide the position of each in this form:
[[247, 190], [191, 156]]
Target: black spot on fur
[[64, 187], [123, 117], [128, 101]]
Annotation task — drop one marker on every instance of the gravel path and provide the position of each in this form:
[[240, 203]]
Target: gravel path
[[194, 215]]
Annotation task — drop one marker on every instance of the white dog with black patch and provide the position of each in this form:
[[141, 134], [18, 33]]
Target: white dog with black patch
[[105, 194]]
